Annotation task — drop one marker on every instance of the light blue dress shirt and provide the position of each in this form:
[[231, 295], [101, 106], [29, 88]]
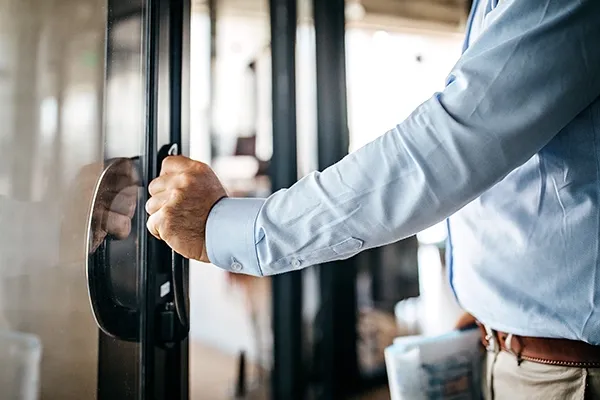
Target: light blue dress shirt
[[510, 149]]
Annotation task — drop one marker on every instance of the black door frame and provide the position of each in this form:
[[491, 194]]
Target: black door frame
[[157, 367], [288, 380]]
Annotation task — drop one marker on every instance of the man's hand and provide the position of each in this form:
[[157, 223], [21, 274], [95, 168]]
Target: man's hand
[[182, 197]]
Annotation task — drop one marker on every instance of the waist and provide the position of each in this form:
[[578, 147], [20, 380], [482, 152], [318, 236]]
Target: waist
[[561, 352]]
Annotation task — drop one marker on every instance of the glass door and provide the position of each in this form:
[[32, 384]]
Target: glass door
[[91, 100]]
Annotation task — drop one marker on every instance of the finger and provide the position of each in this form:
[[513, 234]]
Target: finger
[[97, 239], [155, 203], [175, 164], [159, 184], [153, 223], [123, 166], [124, 204], [118, 225], [131, 191], [107, 196], [118, 179]]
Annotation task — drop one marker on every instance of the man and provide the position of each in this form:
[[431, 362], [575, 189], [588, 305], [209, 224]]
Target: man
[[510, 149]]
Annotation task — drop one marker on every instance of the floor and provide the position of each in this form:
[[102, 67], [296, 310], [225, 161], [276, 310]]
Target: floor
[[213, 374]]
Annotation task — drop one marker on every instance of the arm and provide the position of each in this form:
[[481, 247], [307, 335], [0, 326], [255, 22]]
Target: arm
[[529, 74]]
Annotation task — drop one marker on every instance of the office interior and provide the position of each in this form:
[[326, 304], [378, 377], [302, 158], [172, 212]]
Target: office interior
[[264, 91]]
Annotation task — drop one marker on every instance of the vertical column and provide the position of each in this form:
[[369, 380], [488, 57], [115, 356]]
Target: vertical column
[[338, 363], [288, 374]]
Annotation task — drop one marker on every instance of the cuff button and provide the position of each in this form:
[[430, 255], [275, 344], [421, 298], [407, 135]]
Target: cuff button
[[236, 266], [296, 263]]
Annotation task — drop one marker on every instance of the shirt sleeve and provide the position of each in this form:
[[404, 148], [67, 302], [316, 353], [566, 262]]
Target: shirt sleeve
[[531, 72]]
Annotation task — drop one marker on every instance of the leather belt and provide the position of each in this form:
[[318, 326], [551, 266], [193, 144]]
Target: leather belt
[[560, 352]]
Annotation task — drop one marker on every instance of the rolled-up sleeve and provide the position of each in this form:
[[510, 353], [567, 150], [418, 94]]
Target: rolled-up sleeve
[[532, 71]]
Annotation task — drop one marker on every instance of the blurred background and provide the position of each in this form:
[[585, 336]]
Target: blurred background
[[397, 54], [263, 110]]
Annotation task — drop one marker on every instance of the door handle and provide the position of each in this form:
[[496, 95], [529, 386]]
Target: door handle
[[180, 303], [116, 316], [114, 302], [113, 319]]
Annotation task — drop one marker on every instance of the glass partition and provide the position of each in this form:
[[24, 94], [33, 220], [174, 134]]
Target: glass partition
[[71, 102], [52, 57]]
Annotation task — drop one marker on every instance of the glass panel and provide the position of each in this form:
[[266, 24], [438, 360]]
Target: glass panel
[[118, 289], [61, 119], [50, 96]]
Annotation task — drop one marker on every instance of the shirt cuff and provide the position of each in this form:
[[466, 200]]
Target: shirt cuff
[[230, 240]]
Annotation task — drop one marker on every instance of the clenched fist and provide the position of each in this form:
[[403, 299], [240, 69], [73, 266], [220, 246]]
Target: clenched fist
[[182, 197]]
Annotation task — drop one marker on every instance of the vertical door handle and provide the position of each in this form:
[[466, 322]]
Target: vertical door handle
[[177, 265], [116, 318]]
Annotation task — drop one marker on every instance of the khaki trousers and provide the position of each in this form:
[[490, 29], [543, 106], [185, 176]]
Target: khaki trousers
[[505, 379]]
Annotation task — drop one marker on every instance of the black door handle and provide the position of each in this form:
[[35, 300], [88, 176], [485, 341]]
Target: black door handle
[[113, 319], [177, 266], [113, 302]]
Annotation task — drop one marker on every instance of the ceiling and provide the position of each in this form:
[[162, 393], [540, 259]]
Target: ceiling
[[441, 11], [444, 12]]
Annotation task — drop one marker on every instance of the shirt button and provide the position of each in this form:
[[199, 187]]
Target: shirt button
[[296, 263], [236, 266]]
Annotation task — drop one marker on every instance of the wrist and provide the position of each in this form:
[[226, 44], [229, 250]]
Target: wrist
[[204, 254]]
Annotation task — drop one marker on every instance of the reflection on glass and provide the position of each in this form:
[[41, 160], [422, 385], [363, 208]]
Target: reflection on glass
[[111, 246], [124, 138], [51, 86], [53, 124], [114, 202]]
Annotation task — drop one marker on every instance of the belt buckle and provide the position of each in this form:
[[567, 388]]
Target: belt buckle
[[492, 341]]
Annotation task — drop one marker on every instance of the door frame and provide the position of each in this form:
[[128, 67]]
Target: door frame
[[156, 368]]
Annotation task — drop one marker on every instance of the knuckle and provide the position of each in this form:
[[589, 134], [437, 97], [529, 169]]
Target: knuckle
[[122, 227], [202, 165], [126, 226], [152, 225], [186, 179], [150, 205], [152, 186], [131, 209], [177, 194], [167, 161], [203, 168]]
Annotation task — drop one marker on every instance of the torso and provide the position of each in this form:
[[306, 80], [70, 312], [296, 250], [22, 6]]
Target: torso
[[526, 253]]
